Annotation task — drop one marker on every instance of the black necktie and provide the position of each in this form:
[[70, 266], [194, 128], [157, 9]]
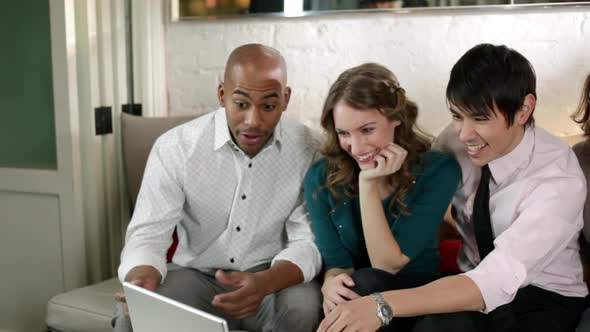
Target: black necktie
[[481, 215]]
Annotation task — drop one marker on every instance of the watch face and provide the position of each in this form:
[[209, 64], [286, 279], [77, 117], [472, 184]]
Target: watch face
[[386, 311]]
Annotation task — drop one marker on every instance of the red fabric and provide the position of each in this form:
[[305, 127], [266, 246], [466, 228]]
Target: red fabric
[[449, 249], [172, 248]]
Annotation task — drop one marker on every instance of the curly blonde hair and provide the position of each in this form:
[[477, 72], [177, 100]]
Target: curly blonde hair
[[372, 86]]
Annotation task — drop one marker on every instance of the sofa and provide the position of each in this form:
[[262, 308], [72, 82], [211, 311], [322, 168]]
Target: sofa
[[90, 309]]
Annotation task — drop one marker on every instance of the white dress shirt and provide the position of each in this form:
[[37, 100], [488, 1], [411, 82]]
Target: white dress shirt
[[537, 194], [231, 211]]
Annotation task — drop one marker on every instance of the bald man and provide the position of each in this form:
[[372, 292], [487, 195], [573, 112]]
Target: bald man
[[230, 182]]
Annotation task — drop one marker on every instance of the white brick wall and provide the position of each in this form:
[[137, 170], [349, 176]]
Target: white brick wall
[[419, 47]]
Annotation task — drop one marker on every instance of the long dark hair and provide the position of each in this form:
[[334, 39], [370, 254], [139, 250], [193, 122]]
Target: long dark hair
[[372, 86], [582, 114]]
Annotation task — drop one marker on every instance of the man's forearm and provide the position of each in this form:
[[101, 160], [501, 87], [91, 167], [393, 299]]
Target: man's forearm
[[450, 294], [281, 275]]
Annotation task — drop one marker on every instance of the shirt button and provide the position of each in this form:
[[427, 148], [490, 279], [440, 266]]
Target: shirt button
[[250, 165], [243, 196], [238, 228], [231, 260]]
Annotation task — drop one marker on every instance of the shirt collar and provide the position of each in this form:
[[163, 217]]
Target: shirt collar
[[520, 156], [223, 136]]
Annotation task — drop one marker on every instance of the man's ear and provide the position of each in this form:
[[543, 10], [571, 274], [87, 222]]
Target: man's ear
[[220, 94], [526, 110], [287, 96]]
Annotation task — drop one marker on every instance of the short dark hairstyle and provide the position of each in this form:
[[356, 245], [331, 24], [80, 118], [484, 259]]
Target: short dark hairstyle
[[489, 75]]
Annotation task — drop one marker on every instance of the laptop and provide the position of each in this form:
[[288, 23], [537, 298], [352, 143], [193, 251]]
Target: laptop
[[152, 312]]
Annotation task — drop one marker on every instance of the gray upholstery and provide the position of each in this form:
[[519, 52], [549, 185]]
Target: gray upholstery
[[90, 309], [84, 309]]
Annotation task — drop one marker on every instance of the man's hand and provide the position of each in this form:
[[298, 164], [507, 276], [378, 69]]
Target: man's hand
[[389, 160], [355, 315], [336, 290], [245, 299], [145, 276]]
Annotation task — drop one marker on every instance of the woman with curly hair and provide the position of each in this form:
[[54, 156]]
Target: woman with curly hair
[[379, 194], [582, 151]]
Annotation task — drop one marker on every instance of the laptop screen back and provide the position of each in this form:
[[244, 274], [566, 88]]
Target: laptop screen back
[[151, 312]]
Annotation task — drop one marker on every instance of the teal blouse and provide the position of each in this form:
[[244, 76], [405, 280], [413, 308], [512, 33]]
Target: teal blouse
[[338, 228]]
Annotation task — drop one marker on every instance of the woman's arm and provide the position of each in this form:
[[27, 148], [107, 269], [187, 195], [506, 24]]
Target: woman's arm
[[382, 247], [414, 232]]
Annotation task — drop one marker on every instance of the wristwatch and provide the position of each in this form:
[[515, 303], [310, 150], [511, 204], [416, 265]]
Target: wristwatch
[[384, 310]]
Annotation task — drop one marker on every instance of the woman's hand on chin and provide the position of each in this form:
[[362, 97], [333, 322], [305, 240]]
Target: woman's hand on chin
[[388, 161]]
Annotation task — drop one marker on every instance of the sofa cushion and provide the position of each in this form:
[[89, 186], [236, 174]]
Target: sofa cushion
[[87, 309]]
